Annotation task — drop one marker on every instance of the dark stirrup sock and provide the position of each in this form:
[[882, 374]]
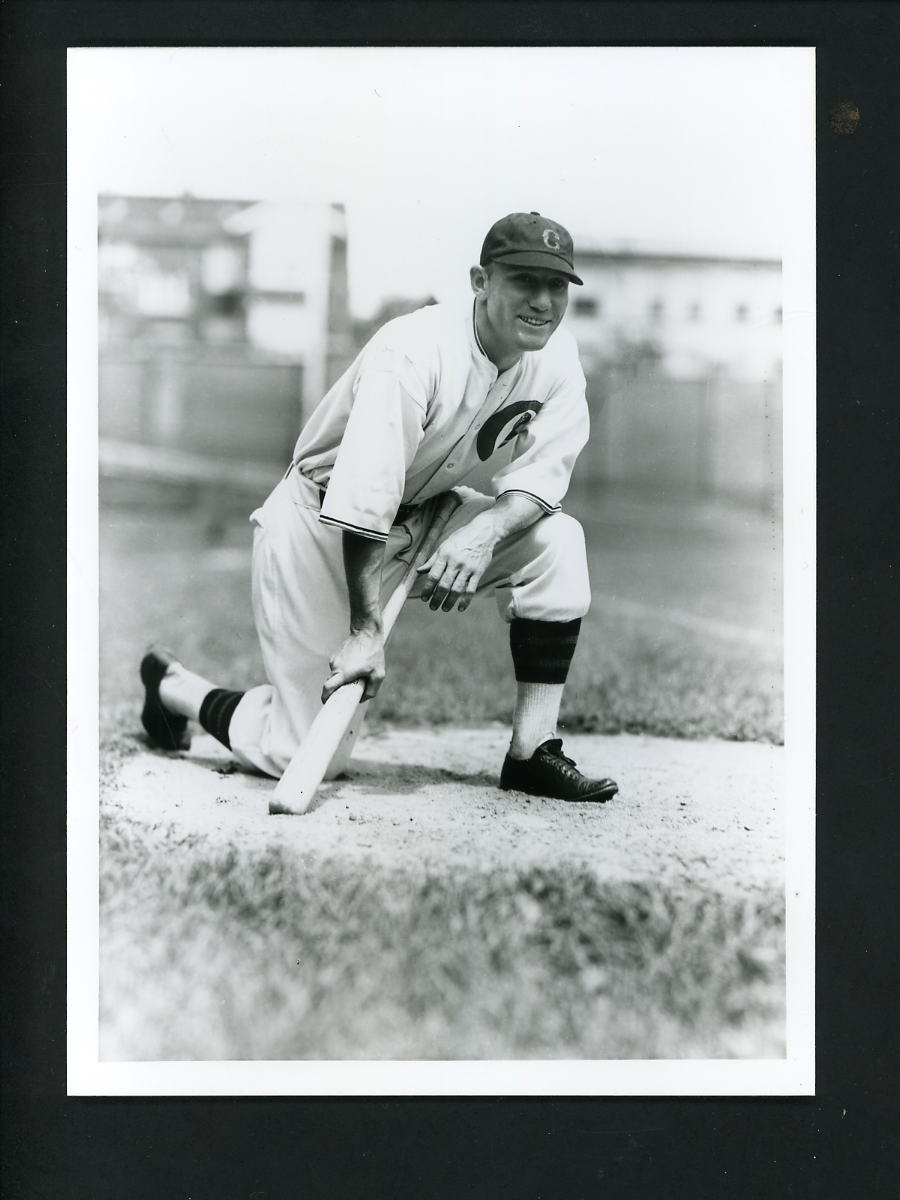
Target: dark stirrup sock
[[542, 650], [216, 712]]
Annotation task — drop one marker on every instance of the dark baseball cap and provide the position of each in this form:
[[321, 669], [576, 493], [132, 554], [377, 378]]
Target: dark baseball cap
[[530, 240]]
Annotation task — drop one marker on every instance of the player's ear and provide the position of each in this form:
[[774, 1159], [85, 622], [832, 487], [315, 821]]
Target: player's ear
[[478, 278]]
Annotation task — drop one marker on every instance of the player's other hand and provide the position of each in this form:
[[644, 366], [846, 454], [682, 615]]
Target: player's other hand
[[360, 657], [456, 567]]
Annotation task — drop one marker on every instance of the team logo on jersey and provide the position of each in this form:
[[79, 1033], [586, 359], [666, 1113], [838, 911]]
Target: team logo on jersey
[[551, 239], [520, 413]]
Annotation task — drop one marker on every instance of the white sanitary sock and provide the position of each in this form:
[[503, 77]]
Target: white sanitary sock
[[534, 722], [182, 691]]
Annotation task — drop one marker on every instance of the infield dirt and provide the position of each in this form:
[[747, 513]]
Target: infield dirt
[[708, 813]]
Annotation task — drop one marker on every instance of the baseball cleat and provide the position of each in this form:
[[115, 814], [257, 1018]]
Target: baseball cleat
[[549, 773], [164, 728]]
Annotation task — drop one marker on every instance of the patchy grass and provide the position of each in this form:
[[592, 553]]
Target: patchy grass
[[228, 953], [211, 953], [661, 651]]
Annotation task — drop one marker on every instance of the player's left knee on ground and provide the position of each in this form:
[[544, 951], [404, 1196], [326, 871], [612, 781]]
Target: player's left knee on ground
[[553, 585]]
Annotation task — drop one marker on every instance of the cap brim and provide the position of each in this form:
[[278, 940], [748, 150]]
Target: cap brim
[[537, 258]]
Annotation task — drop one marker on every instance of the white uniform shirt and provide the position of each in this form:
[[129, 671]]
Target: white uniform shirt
[[423, 409]]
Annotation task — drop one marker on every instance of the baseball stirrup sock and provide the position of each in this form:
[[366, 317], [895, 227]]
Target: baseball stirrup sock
[[542, 650], [216, 712]]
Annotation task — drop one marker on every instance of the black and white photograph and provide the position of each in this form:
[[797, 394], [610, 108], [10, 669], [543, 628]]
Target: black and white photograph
[[442, 558]]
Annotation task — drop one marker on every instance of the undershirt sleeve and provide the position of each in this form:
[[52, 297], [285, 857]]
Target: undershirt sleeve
[[383, 433]]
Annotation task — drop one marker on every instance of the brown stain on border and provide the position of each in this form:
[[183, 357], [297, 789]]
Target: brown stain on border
[[844, 117]]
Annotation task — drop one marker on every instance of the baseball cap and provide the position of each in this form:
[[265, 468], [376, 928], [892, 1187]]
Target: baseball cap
[[530, 240]]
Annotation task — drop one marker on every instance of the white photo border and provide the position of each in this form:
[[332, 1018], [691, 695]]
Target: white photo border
[[792, 1076]]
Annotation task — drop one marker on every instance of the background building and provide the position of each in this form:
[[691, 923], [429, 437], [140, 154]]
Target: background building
[[295, 287], [169, 271], [221, 324], [682, 354], [691, 313]]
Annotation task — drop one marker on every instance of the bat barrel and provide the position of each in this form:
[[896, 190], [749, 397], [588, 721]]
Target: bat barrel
[[295, 790]]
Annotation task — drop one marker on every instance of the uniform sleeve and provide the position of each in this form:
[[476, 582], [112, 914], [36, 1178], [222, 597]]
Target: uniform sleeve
[[546, 449], [383, 432]]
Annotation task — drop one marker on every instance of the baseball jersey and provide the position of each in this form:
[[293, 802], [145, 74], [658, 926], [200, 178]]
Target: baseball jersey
[[423, 409]]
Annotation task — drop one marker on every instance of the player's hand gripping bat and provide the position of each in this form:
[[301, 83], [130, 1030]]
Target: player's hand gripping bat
[[295, 790]]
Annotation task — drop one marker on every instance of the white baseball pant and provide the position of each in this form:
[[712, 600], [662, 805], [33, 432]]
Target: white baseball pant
[[302, 614]]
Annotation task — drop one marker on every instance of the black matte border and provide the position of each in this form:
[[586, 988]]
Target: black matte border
[[837, 1144]]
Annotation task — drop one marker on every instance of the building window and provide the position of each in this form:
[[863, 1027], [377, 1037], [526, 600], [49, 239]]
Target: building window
[[695, 311], [221, 268], [226, 304], [163, 293], [172, 213], [656, 312], [586, 306], [742, 312]]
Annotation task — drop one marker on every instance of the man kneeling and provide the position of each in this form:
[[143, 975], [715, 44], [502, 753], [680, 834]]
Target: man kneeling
[[488, 400]]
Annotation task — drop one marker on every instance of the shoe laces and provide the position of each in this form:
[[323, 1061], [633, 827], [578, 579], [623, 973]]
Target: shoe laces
[[555, 748]]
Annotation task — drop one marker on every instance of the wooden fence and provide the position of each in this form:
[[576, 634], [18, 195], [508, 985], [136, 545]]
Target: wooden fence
[[715, 437], [223, 404]]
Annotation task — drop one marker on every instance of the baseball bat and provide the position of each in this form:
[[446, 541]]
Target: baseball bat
[[295, 789]]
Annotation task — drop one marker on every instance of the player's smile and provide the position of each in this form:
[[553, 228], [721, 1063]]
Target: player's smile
[[519, 308]]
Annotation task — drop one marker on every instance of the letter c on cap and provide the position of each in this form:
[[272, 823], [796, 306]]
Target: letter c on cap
[[551, 239]]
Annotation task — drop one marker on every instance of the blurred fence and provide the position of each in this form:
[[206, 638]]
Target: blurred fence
[[223, 403], [193, 416], [713, 437]]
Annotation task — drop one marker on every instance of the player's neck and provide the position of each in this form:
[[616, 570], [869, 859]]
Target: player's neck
[[502, 359]]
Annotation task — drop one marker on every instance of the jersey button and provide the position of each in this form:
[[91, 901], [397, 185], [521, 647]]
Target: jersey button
[[450, 466]]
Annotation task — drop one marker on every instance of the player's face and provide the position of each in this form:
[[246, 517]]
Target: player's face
[[521, 308]]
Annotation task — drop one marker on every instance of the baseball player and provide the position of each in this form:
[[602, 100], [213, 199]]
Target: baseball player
[[488, 399]]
